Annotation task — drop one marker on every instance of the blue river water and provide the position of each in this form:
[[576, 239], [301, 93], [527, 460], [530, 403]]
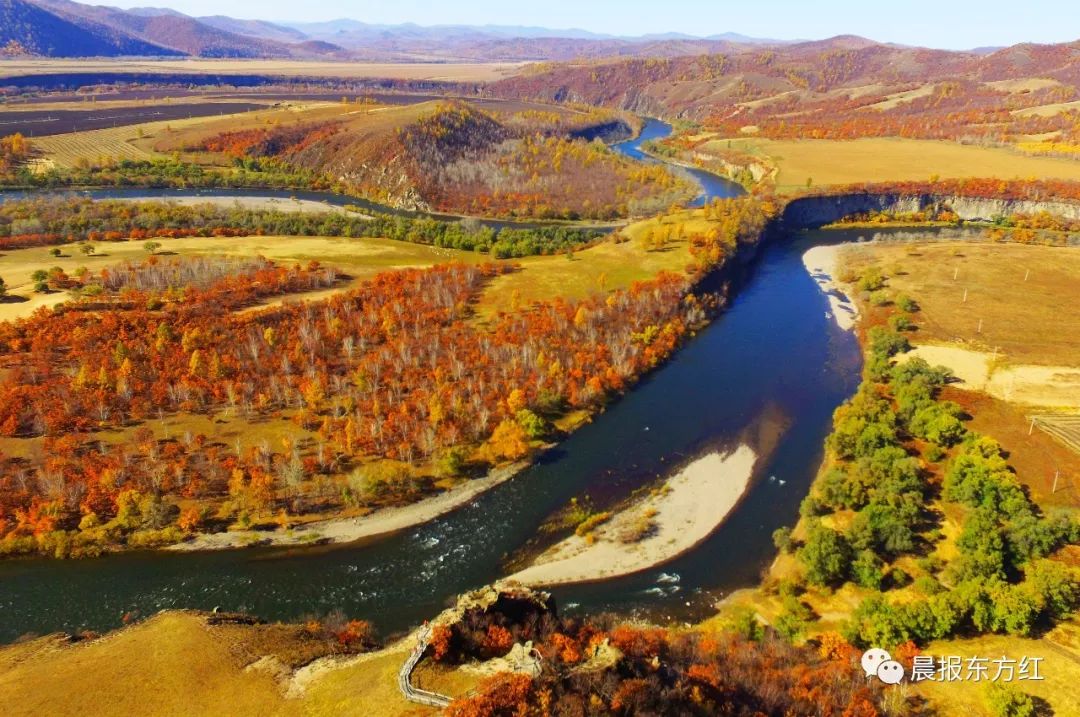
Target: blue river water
[[769, 370]]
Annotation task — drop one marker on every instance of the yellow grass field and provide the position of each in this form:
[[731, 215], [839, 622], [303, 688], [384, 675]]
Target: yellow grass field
[[360, 118], [448, 72], [1024, 320], [1048, 110], [1060, 668], [1029, 84], [828, 162], [899, 98], [93, 146], [175, 664], [604, 267], [358, 258], [146, 140]]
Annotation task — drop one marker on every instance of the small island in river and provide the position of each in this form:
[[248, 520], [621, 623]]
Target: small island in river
[[670, 521]]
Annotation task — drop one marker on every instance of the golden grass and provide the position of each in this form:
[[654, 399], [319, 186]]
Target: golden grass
[[1029, 84], [1022, 319], [1025, 320], [169, 665], [1035, 456], [95, 146], [1048, 110], [221, 426], [1048, 147], [149, 139], [459, 72], [1060, 667], [899, 98], [828, 162], [189, 133], [358, 258], [176, 664], [605, 267]]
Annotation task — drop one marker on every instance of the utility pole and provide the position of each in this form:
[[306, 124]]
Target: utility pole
[[1031, 428], [1054, 489]]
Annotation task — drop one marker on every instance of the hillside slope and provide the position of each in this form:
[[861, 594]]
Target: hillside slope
[[457, 157], [26, 28], [842, 88], [171, 30]]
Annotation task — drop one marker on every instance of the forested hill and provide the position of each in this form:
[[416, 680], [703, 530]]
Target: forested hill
[[838, 88]]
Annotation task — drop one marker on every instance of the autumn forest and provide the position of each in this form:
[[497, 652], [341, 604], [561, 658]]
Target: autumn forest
[[502, 371]]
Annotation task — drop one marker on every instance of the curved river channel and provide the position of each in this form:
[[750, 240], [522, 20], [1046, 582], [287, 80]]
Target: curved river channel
[[771, 369]]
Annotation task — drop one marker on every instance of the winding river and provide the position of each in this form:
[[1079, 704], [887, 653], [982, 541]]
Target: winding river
[[771, 369]]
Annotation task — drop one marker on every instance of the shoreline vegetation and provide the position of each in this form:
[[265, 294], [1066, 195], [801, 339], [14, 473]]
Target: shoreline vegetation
[[57, 220], [920, 531], [667, 523], [346, 530]]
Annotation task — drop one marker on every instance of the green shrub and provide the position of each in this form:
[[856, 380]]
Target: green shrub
[[866, 570], [534, 425], [792, 621], [1006, 701], [782, 540], [899, 322], [826, 556], [906, 303], [592, 522], [871, 279]]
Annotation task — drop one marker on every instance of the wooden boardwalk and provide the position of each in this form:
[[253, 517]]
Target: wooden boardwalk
[[413, 694]]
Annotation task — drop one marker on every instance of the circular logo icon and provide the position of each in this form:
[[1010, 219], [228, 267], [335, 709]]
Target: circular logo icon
[[890, 672], [873, 658]]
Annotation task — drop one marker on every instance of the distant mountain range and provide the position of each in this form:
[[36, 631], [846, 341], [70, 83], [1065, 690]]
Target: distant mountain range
[[63, 28]]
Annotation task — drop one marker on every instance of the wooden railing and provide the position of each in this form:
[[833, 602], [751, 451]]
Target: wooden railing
[[412, 694]]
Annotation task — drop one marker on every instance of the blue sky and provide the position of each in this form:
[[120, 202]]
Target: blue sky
[[930, 23]]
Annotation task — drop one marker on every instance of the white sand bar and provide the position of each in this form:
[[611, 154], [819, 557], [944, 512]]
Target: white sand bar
[[821, 262], [693, 504]]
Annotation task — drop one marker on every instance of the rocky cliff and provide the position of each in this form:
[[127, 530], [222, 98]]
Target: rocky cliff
[[810, 212]]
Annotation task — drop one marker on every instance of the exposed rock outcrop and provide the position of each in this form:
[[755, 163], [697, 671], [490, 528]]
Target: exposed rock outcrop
[[816, 211]]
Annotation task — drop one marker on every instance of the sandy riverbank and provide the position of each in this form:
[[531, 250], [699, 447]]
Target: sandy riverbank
[[345, 530], [691, 506], [821, 262], [1053, 387], [254, 203]]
